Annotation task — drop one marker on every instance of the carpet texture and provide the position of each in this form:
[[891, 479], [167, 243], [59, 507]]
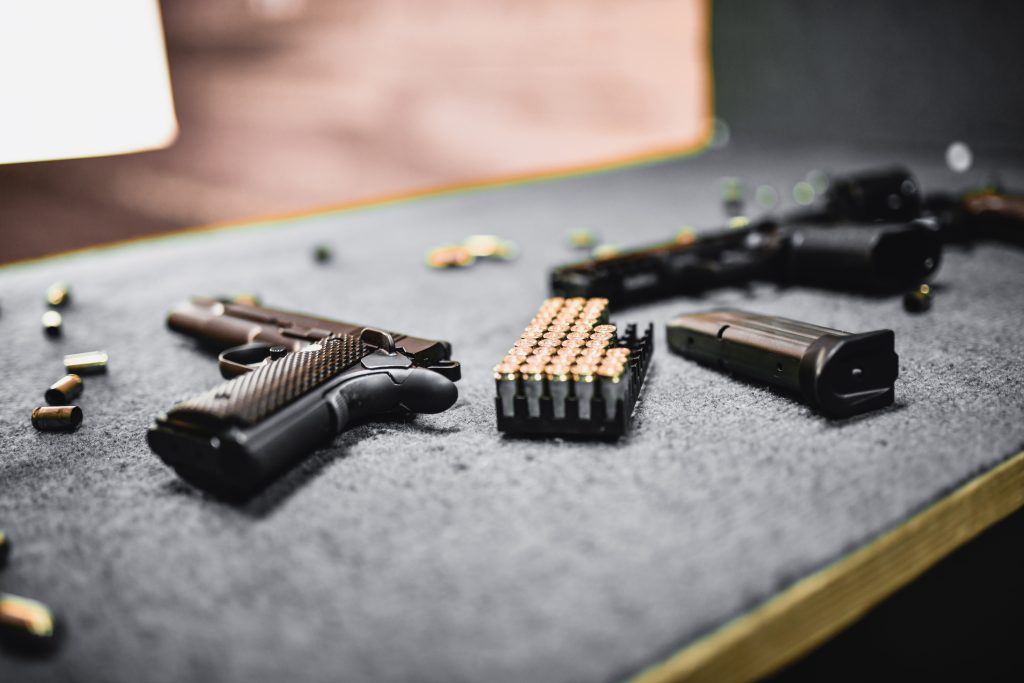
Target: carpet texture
[[433, 549]]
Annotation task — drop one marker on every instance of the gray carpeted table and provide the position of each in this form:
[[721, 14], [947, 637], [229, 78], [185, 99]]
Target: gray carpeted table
[[433, 549]]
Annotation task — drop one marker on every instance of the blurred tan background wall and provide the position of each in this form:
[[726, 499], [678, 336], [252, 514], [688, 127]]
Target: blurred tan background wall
[[290, 104]]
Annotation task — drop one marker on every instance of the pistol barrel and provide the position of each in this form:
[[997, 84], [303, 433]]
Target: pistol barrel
[[220, 325]]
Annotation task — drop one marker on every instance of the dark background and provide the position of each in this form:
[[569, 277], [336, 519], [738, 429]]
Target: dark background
[[900, 74], [962, 619]]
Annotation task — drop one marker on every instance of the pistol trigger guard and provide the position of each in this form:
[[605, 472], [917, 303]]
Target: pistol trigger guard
[[242, 359], [380, 339]]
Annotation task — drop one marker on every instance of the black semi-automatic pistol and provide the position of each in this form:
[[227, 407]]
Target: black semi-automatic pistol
[[868, 235], [294, 382]]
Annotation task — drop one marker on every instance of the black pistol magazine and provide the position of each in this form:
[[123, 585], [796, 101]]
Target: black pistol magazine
[[838, 373]]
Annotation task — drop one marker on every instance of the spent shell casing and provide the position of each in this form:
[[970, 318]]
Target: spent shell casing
[[686, 235], [56, 418], [505, 378], [64, 391], [26, 624], [246, 298], [322, 253], [58, 294], [581, 239], [52, 322], [918, 300], [90, 362], [5, 548], [451, 256], [482, 246], [490, 246], [605, 251]]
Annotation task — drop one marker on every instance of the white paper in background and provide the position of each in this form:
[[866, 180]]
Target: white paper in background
[[82, 78]]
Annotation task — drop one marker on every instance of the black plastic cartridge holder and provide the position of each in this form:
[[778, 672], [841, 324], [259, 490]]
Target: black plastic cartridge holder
[[839, 373], [572, 374]]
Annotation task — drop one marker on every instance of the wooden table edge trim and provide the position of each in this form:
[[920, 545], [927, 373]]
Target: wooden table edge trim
[[817, 607]]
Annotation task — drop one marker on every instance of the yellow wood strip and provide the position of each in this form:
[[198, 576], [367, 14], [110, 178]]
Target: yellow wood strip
[[819, 606]]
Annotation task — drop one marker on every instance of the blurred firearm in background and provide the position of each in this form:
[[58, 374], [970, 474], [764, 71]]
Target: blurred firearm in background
[[873, 232]]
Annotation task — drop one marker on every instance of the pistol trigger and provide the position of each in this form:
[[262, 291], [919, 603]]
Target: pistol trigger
[[381, 359], [242, 359]]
